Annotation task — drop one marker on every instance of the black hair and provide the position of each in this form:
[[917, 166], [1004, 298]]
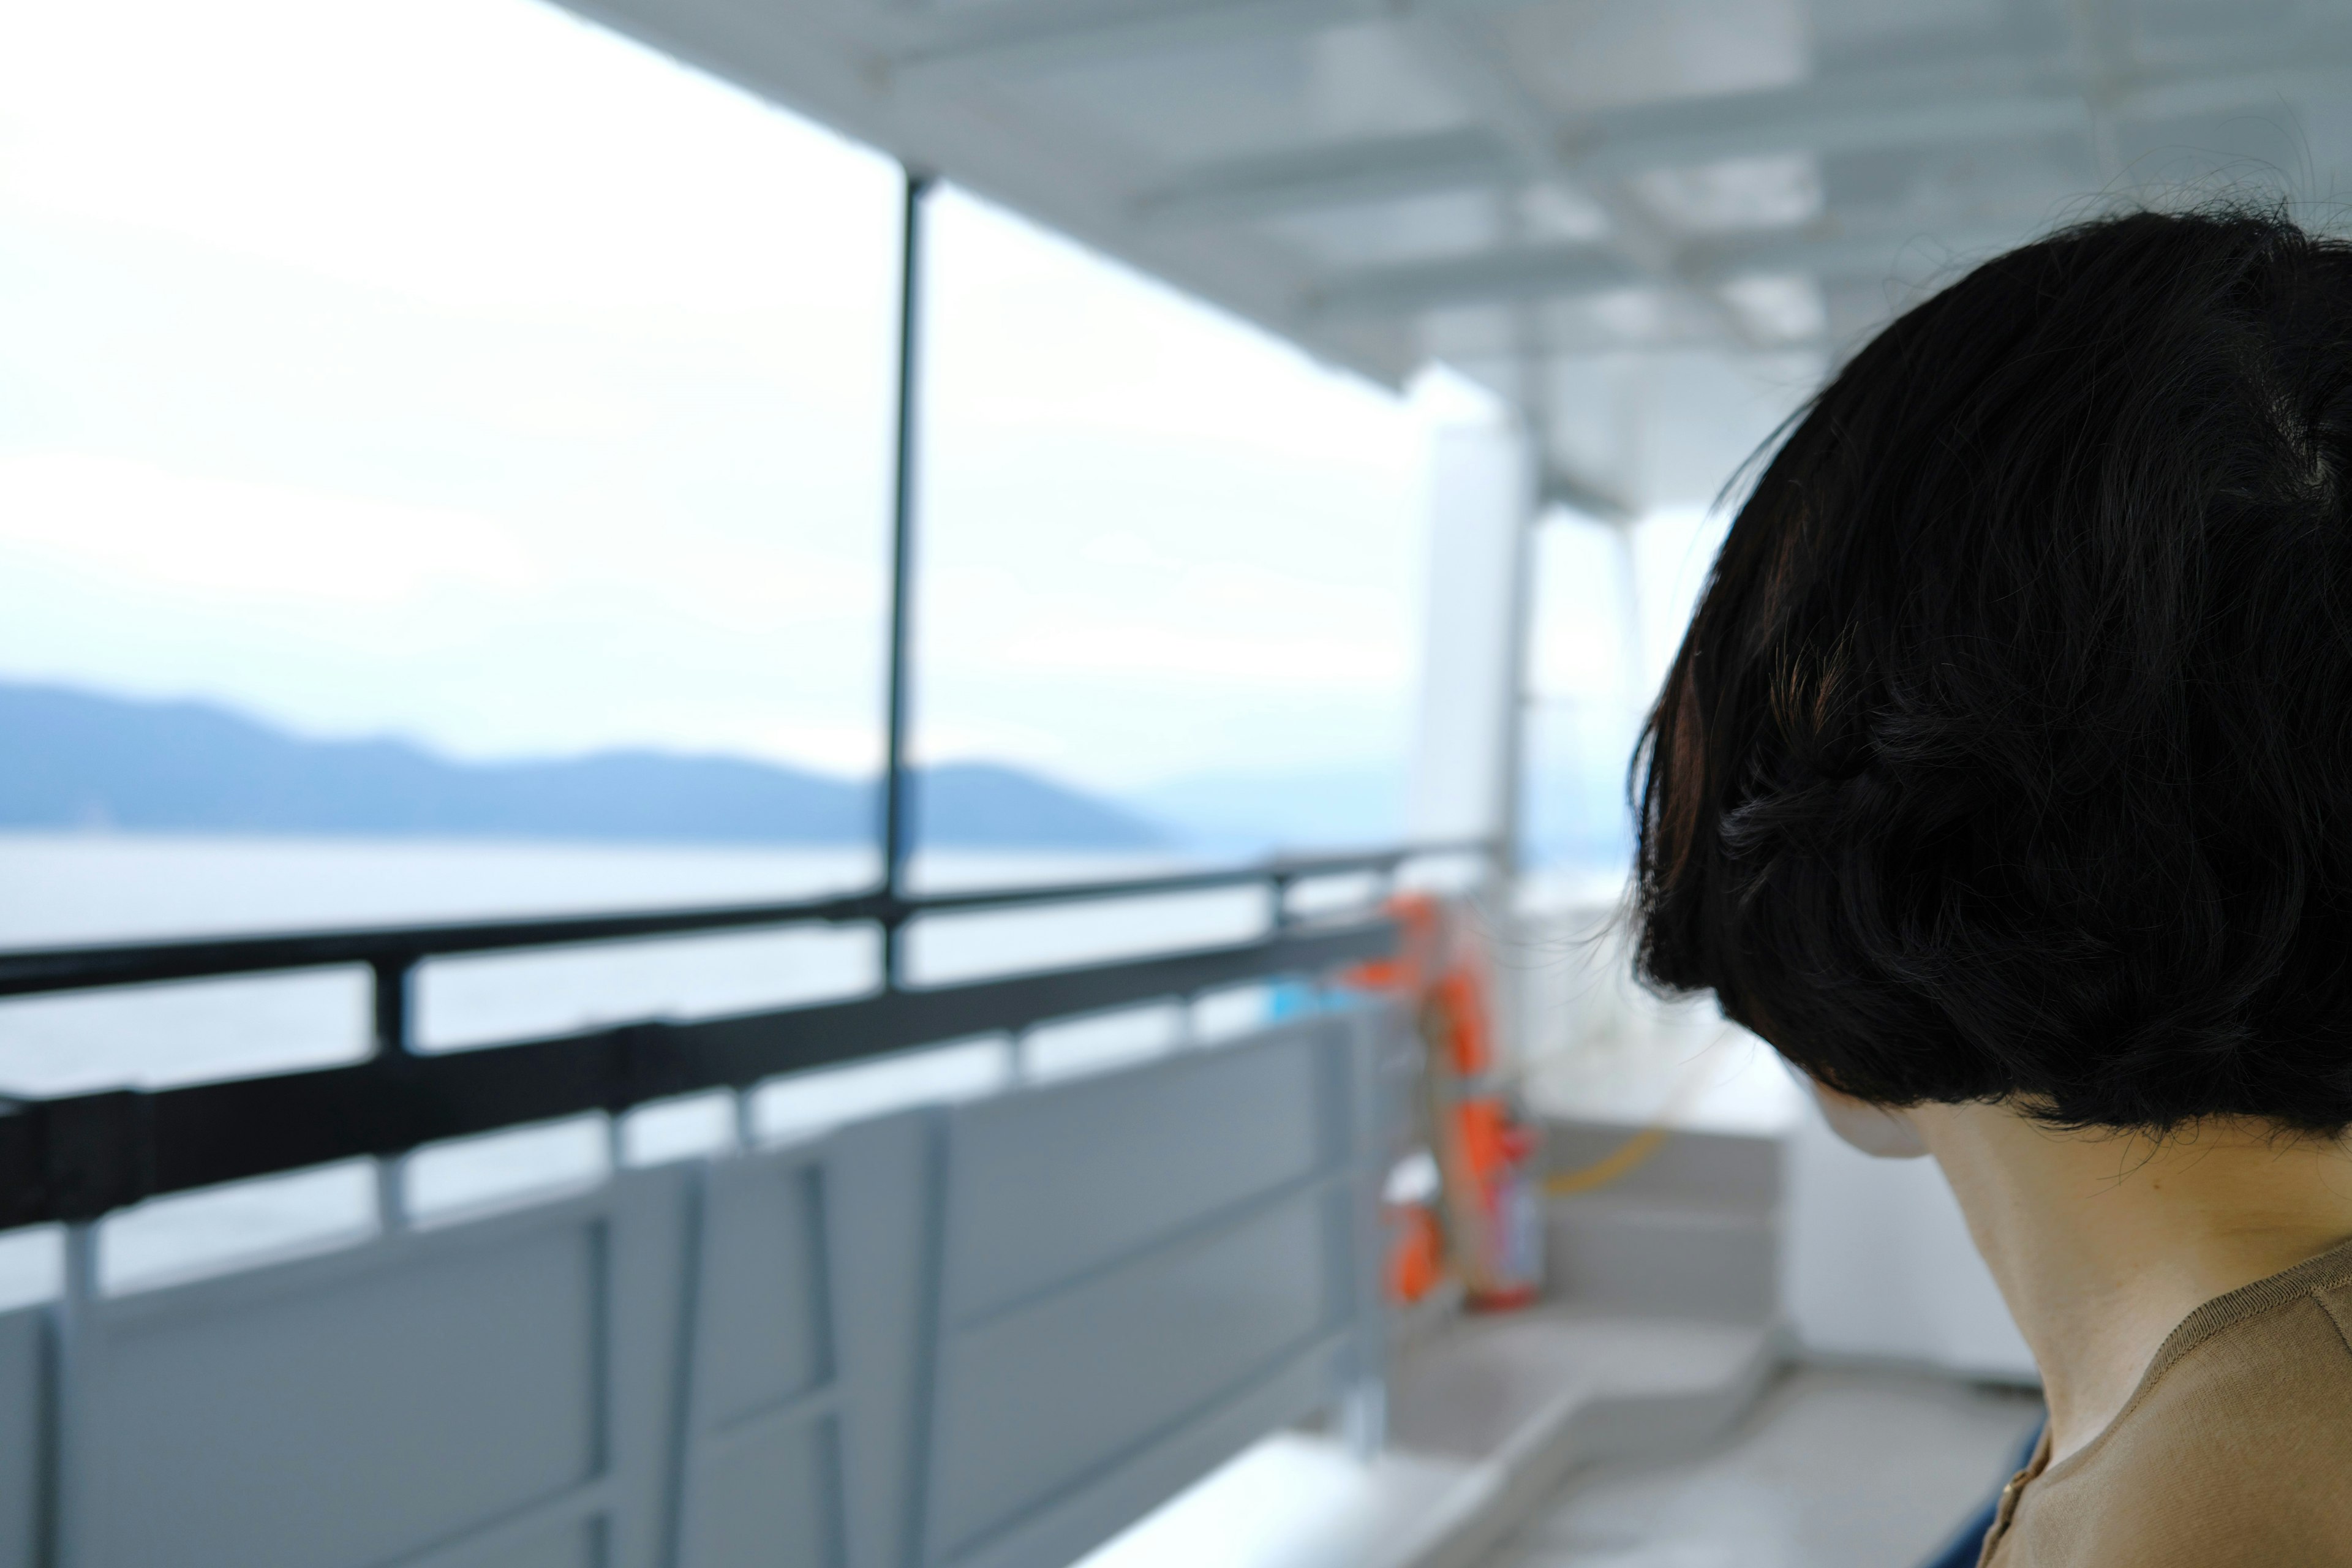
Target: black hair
[[2009, 755]]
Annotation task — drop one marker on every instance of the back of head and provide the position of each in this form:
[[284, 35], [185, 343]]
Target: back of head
[[2009, 755]]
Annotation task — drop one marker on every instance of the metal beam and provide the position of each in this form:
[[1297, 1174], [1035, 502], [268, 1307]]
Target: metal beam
[[1826, 248], [1346, 175], [1613, 145], [1880, 111], [1893, 109], [1528, 272], [1013, 36], [1833, 249], [1016, 34], [1557, 486], [1041, 36]]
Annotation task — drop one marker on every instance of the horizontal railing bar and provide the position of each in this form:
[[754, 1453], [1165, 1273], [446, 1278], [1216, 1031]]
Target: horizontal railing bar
[[78, 1157], [28, 972], [76, 968], [1285, 868]]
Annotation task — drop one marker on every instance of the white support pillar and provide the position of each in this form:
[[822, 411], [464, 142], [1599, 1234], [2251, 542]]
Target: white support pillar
[[1466, 754]]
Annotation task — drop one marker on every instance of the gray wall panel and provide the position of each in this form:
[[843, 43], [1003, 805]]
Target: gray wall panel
[[774, 1354], [770, 1500], [881, 1182], [473, 1377], [23, 1432], [763, 1337], [1035, 1401], [577, 1544], [351, 1409], [1065, 1529], [985, 1337], [651, 1267], [1049, 1183]]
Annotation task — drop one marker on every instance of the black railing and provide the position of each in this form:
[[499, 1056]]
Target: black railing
[[78, 1157]]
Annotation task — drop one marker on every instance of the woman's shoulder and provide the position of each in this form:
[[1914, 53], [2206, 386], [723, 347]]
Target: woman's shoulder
[[2236, 1449]]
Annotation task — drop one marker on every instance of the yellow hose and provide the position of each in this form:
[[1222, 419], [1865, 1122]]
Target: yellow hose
[[1619, 1162], [1630, 1155]]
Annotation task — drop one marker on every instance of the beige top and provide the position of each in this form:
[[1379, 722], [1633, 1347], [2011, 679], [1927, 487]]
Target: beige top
[[2236, 1449]]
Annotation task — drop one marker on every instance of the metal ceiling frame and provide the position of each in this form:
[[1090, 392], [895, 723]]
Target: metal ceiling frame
[[942, 87]]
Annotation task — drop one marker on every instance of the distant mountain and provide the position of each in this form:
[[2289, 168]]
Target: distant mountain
[[1250, 813], [73, 758]]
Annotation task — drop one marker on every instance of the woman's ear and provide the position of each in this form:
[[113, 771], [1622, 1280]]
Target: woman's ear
[[1877, 1132]]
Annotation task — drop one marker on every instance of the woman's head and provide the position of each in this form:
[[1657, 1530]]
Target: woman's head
[[2009, 755]]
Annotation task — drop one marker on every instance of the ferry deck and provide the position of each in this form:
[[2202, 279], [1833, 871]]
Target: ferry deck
[[1139, 1314]]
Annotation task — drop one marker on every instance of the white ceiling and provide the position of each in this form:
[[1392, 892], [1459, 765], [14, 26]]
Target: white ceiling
[[1651, 223]]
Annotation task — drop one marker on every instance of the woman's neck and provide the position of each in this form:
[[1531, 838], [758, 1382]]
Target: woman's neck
[[2101, 1243]]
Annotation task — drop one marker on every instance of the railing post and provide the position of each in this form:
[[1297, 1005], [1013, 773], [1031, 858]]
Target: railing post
[[79, 1282], [391, 982], [69, 1457], [393, 979]]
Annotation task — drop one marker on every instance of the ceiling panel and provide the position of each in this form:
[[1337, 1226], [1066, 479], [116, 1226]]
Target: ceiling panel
[[1249, 97], [1412, 228], [1583, 55]]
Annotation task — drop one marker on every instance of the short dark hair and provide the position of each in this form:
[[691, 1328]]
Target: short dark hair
[[2009, 755]]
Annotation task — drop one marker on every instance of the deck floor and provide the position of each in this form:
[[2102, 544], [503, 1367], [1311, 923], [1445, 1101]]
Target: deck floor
[[1833, 1468]]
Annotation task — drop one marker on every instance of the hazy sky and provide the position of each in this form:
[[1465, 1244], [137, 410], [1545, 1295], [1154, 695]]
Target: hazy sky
[[451, 368]]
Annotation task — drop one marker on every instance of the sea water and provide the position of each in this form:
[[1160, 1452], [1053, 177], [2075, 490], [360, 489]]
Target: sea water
[[60, 889]]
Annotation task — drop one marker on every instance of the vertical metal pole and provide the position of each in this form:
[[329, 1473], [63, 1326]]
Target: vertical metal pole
[[80, 1284], [392, 980], [896, 798], [69, 1457], [617, 1141]]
